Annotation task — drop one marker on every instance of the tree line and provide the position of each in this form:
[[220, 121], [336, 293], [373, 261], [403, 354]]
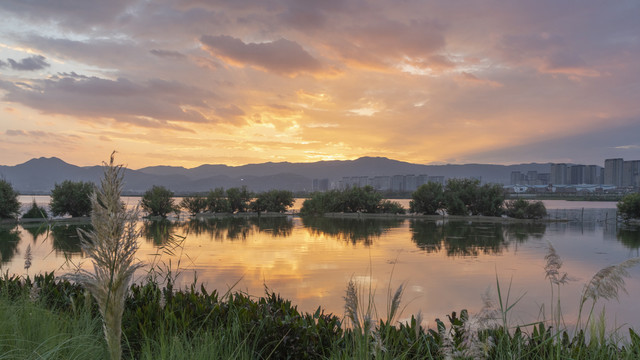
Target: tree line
[[457, 197]]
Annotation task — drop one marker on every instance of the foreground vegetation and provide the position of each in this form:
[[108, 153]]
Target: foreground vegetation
[[51, 318]]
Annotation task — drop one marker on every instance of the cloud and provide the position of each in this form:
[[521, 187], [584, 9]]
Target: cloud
[[152, 103], [546, 53], [35, 62], [167, 54], [281, 56], [79, 15]]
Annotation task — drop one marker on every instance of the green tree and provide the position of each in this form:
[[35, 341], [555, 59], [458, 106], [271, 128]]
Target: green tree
[[489, 200], [71, 197], [427, 199], [9, 204], [194, 204], [629, 206], [217, 201], [35, 212], [273, 201], [524, 209], [459, 196], [239, 199], [362, 199], [391, 207], [158, 201]]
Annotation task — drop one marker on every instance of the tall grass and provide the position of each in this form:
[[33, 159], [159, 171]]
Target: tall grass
[[111, 246], [31, 331]]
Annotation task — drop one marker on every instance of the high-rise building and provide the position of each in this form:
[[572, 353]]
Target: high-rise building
[[577, 174], [517, 178], [630, 173], [410, 183], [613, 170], [592, 175], [559, 174]]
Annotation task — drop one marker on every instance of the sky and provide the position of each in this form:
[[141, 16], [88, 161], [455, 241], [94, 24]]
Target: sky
[[190, 82]]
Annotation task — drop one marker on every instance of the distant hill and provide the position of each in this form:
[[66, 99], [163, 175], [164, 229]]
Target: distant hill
[[38, 176]]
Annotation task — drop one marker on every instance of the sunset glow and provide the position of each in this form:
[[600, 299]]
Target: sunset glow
[[191, 82]]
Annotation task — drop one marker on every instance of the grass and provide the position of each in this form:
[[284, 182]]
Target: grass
[[31, 331], [60, 321]]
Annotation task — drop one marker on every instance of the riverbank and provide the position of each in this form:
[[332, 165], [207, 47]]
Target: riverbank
[[52, 316]]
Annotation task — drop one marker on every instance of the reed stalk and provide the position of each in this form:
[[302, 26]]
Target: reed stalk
[[111, 246]]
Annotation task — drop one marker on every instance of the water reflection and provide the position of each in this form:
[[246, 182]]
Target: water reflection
[[350, 230], [9, 240], [36, 229], [66, 239], [629, 237], [163, 232], [461, 238]]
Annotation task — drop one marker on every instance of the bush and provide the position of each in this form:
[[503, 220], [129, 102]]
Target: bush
[[466, 197], [71, 197], [391, 207], [239, 199], [273, 201], [427, 199], [158, 201], [194, 204], [35, 212], [355, 199], [217, 202], [459, 196], [523, 209], [489, 200], [9, 204], [629, 206]]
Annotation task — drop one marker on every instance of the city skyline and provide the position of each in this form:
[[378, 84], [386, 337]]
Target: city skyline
[[191, 82]]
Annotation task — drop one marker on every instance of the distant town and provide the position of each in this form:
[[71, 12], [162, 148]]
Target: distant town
[[617, 176]]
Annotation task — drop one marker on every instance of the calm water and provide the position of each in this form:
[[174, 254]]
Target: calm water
[[445, 265]]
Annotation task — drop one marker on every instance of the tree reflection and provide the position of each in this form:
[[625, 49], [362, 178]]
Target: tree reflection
[[629, 236], [348, 229], [218, 228], [66, 239], [9, 240], [461, 238], [159, 232], [36, 229]]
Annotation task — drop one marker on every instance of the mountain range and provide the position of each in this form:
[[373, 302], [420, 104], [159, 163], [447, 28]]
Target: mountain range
[[39, 176]]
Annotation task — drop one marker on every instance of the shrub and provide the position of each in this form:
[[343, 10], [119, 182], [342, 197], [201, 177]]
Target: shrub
[[355, 199], [9, 204], [391, 207], [466, 197], [194, 204], [273, 201], [629, 206], [71, 197], [459, 196], [217, 202], [239, 199], [158, 201], [427, 199], [524, 209], [489, 200], [35, 212]]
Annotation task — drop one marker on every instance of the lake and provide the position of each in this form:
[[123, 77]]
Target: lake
[[444, 265]]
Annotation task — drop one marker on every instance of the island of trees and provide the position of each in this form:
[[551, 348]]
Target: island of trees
[[459, 197]]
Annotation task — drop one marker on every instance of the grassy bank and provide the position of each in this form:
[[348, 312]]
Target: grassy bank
[[52, 318]]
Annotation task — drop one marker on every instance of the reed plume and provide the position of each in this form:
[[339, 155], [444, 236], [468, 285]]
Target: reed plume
[[606, 284], [552, 268], [111, 246]]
